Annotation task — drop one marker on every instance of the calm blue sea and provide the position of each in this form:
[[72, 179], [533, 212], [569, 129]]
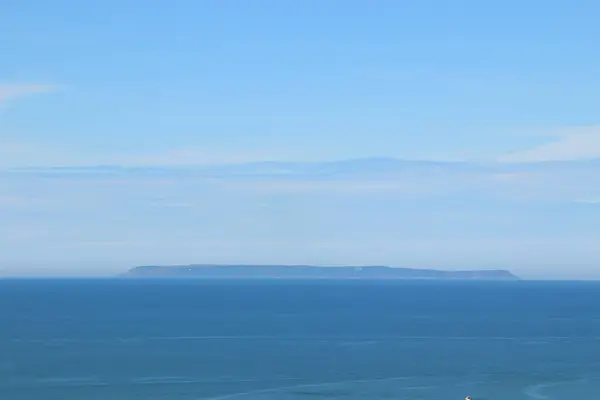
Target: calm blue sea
[[182, 340]]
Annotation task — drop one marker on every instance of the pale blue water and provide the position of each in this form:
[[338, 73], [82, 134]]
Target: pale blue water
[[180, 340]]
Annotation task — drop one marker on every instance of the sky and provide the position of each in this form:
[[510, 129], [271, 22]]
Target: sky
[[438, 134]]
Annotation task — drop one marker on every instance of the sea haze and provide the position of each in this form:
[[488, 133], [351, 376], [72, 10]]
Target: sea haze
[[182, 339], [220, 271]]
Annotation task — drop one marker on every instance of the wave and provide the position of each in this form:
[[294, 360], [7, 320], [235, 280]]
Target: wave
[[81, 382], [571, 388], [305, 386], [353, 339], [537, 391]]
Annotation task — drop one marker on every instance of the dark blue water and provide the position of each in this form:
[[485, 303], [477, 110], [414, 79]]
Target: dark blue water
[[133, 339]]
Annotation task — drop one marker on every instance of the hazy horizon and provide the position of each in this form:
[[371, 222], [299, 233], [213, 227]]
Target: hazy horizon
[[423, 135]]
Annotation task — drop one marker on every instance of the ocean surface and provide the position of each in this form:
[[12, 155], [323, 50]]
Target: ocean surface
[[190, 339]]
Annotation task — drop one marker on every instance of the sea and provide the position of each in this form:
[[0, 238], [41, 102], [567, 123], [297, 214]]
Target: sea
[[177, 339]]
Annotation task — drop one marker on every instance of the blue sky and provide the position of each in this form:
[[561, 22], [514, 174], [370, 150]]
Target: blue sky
[[168, 88]]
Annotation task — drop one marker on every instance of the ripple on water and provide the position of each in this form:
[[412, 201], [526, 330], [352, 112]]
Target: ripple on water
[[579, 388], [420, 388]]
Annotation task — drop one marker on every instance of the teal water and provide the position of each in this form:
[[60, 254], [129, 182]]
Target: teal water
[[180, 340]]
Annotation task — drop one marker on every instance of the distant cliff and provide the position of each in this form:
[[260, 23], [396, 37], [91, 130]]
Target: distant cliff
[[212, 271]]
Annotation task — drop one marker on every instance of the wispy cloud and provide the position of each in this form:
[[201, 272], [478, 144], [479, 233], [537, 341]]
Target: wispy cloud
[[10, 92], [22, 154], [214, 156], [529, 182], [324, 213], [577, 143], [13, 202], [102, 243], [13, 154]]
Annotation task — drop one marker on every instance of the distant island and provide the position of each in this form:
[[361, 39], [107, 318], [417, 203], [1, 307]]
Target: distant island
[[214, 271]]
